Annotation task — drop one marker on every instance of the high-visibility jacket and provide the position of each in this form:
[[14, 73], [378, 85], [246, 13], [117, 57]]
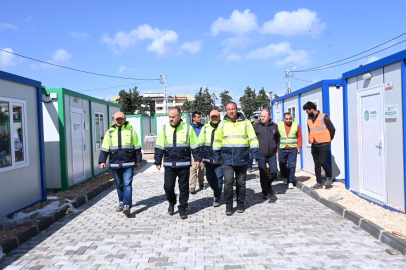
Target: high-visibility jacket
[[175, 144], [318, 130], [233, 140], [123, 146], [290, 139], [206, 140]]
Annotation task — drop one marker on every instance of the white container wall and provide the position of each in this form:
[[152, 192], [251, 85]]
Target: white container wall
[[162, 119], [141, 124]]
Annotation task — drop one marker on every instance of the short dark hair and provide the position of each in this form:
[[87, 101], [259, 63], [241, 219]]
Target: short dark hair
[[255, 117], [309, 105], [232, 102], [194, 114], [177, 109], [286, 113]]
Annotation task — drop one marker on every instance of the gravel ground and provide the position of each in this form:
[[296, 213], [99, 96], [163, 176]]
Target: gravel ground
[[391, 221]]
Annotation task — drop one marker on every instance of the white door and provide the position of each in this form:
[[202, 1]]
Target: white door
[[78, 147], [371, 140]]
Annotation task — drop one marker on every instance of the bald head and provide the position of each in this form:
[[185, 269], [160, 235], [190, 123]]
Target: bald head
[[119, 118]]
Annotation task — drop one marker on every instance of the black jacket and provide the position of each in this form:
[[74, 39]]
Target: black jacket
[[329, 125], [268, 138]]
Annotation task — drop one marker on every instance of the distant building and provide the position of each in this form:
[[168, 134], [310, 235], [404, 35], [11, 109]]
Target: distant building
[[181, 99]]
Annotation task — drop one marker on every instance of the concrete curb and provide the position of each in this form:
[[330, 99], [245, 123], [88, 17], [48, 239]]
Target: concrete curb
[[373, 229]]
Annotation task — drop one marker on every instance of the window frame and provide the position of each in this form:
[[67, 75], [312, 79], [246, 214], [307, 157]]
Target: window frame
[[290, 108], [100, 133], [20, 164]]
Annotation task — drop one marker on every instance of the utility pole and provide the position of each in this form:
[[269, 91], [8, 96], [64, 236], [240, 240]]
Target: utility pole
[[288, 75], [163, 81]]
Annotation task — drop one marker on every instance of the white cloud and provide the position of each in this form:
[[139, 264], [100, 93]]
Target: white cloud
[[233, 58], [302, 21], [4, 26], [239, 23], [7, 59], [121, 69], [79, 35], [60, 56], [370, 60], [26, 19], [160, 38], [193, 47]]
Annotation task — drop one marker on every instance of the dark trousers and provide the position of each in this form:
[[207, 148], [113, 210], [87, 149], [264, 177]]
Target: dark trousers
[[273, 169], [320, 155], [289, 157], [214, 175], [169, 186], [241, 174]]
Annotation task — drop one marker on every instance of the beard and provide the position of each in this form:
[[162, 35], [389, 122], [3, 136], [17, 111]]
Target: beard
[[311, 115]]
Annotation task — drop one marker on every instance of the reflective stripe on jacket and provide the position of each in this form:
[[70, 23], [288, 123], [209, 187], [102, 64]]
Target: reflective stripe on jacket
[[174, 145], [318, 130], [123, 146], [206, 139], [290, 139], [233, 140]]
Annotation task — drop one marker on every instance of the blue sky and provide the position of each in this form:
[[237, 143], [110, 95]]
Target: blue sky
[[215, 44]]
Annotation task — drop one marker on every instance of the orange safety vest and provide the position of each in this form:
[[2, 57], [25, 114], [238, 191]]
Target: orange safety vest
[[318, 130]]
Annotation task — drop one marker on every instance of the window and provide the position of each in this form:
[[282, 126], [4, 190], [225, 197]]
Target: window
[[159, 102], [98, 129], [13, 139], [292, 111]]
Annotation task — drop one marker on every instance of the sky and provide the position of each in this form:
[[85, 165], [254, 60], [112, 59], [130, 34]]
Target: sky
[[216, 44]]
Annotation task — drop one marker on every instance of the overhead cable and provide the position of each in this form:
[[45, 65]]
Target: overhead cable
[[114, 86]]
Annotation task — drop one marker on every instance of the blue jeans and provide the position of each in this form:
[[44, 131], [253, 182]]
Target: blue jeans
[[3, 157], [250, 161], [214, 175], [273, 168], [124, 179], [289, 157]]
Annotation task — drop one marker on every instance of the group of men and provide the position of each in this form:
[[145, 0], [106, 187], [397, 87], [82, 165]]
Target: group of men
[[221, 150]]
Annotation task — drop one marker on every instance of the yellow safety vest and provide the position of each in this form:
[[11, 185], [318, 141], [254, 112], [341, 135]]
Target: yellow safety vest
[[288, 140]]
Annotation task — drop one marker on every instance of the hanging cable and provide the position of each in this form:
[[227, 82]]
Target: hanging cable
[[114, 86], [300, 80], [78, 70]]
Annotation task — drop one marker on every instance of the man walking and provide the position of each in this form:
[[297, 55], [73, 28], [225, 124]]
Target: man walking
[[321, 133], [232, 141], [176, 142], [268, 137], [199, 172], [290, 147], [214, 171], [122, 144]]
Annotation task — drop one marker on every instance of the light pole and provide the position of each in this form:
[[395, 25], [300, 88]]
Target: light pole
[[288, 75], [163, 81]]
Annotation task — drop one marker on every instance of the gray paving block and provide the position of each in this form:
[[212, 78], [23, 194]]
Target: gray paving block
[[394, 241], [372, 228], [354, 217], [339, 209]]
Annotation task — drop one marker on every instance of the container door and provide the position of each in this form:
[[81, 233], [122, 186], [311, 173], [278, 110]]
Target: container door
[[78, 146], [371, 139]]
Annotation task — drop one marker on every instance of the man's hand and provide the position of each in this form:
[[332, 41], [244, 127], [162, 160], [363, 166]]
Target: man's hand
[[298, 150], [277, 150], [197, 164], [102, 165], [158, 167], [137, 165]]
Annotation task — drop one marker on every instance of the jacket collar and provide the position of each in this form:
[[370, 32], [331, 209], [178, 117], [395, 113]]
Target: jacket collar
[[126, 123], [200, 125], [240, 117], [210, 124], [269, 123]]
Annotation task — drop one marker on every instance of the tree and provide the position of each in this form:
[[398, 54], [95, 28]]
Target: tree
[[204, 102], [263, 101], [131, 100], [225, 98], [147, 106], [249, 102], [188, 106], [275, 96]]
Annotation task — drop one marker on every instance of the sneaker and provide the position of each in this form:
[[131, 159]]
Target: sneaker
[[249, 170], [192, 191], [241, 210], [171, 209], [270, 189], [201, 187], [329, 181], [229, 210], [119, 208], [317, 186], [182, 214], [285, 181], [216, 202], [126, 210], [290, 186]]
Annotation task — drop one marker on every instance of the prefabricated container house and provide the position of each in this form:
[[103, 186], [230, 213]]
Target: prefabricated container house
[[374, 96], [22, 162], [162, 119], [142, 125], [328, 96], [75, 125]]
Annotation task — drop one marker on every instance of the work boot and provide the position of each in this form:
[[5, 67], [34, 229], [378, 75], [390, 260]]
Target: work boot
[[182, 214], [265, 197], [192, 191], [171, 209], [126, 210], [119, 208], [329, 181], [240, 209], [201, 187], [317, 186], [216, 202], [229, 209]]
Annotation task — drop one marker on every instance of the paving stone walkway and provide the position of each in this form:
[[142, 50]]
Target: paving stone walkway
[[290, 231]]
